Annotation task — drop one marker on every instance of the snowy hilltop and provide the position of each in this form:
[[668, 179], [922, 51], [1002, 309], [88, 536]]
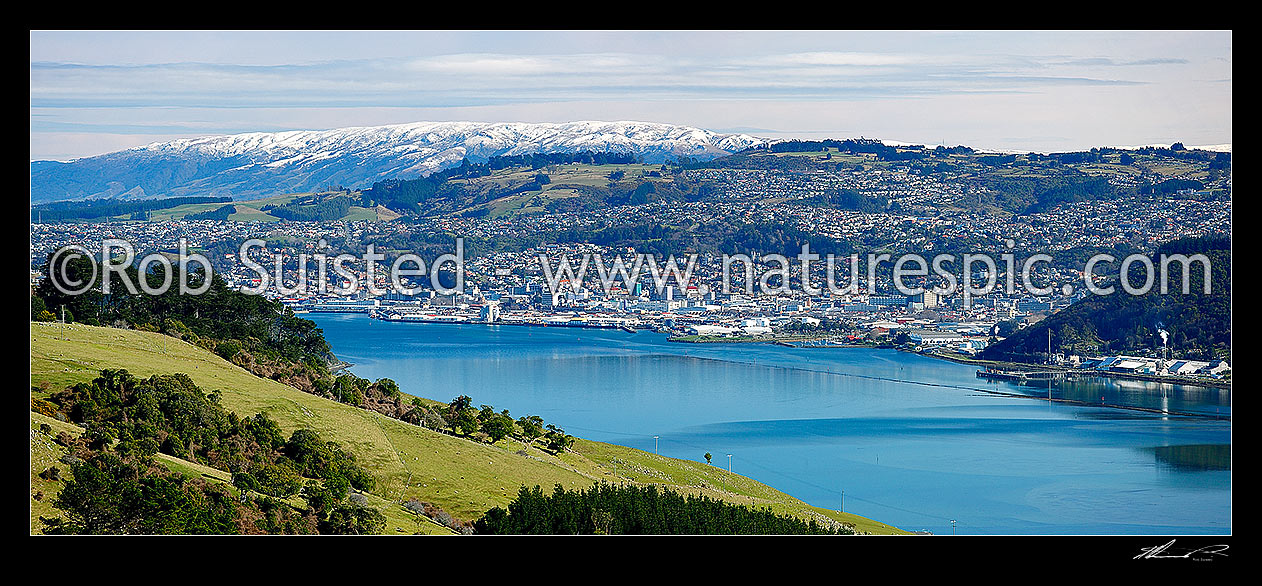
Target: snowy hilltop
[[265, 163]]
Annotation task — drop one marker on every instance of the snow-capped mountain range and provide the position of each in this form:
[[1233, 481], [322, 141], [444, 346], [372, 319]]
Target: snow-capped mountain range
[[258, 164]]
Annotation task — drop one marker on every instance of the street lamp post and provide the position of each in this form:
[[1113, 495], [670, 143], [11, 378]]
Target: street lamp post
[[729, 462], [655, 445]]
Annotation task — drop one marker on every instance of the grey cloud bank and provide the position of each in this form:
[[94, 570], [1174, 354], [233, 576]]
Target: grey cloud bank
[[94, 92]]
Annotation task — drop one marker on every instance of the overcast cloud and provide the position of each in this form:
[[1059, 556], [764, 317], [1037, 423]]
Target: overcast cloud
[[95, 92]]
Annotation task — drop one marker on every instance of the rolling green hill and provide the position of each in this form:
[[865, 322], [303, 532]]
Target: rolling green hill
[[462, 477], [238, 211], [253, 210]]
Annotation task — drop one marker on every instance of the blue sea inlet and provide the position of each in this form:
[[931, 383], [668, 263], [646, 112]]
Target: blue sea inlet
[[912, 441]]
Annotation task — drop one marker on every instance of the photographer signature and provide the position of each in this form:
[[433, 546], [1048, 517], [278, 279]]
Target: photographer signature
[[1201, 553]]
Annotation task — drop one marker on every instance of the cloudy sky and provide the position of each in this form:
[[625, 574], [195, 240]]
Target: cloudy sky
[[96, 92]]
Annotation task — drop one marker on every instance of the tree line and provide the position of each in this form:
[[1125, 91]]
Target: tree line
[[87, 210], [460, 418], [608, 509], [324, 210], [882, 151], [218, 214]]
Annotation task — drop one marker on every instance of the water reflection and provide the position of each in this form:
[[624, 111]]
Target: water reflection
[[1164, 397], [1194, 457]]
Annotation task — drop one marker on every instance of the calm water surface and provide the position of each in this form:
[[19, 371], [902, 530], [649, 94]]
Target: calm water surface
[[910, 440]]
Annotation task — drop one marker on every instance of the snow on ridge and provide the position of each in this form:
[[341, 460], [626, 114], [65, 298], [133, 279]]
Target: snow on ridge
[[254, 163], [484, 138]]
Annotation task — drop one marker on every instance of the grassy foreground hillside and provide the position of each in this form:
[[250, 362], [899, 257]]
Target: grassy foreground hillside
[[462, 477]]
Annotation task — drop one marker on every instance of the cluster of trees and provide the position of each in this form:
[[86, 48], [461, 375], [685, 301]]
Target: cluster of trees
[[404, 195], [640, 195], [825, 325], [1178, 151], [1079, 157], [540, 160], [435, 513], [324, 210], [218, 214], [128, 420], [997, 160], [1221, 162], [1170, 186], [852, 146], [849, 199], [619, 192], [802, 146], [607, 509], [110, 493], [104, 208], [350, 389], [459, 417], [1028, 195], [1199, 325]]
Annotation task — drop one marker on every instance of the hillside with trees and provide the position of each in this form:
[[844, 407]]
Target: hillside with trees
[[425, 477], [64, 211], [608, 509], [115, 485], [250, 330], [1199, 324]]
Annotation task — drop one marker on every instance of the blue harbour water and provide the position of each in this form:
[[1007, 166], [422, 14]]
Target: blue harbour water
[[912, 441]]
